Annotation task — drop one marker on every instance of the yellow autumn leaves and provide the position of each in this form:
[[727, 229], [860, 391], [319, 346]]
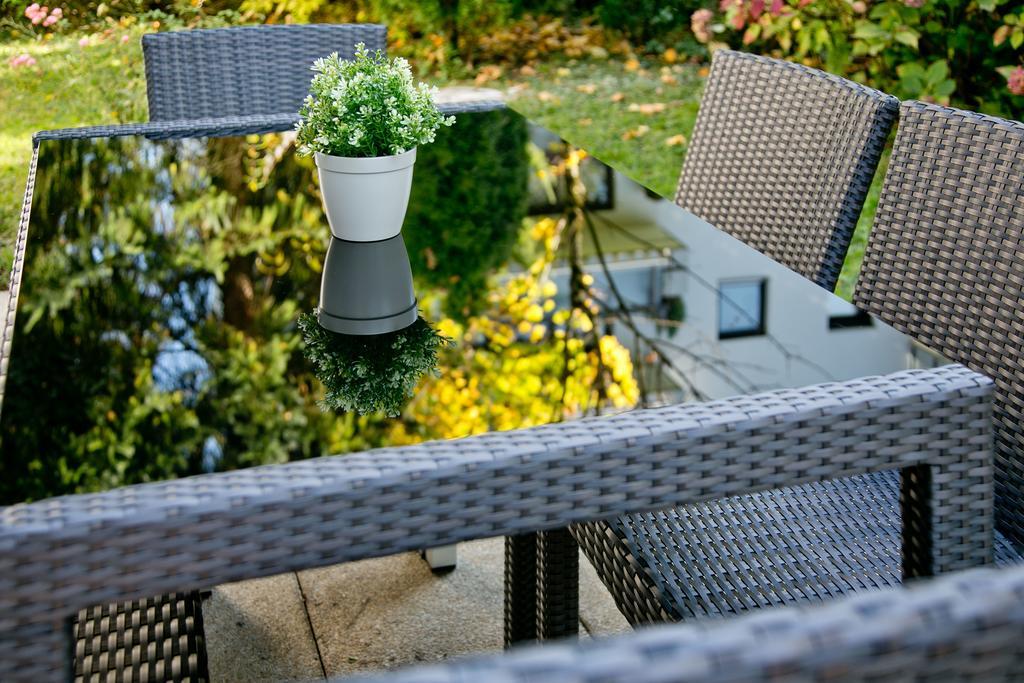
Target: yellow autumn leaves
[[528, 359]]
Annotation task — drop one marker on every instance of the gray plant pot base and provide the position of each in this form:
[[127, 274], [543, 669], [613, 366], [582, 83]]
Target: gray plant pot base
[[366, 288], [368, 326]]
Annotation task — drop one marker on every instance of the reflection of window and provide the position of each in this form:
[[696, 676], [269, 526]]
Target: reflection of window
[[740, 308], [842, 314]]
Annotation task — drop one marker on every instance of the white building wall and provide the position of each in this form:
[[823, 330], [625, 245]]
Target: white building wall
[[798, 348]]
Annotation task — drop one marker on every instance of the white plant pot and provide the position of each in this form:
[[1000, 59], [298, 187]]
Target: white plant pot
[[366, 198]]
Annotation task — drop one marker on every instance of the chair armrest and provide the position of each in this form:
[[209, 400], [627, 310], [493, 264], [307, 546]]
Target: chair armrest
[[63, 554], [229, 125], [185, 128], [952, 629]]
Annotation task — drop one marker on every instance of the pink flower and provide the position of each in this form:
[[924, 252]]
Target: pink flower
[[913, 3], [23, 59], [83, 42], [1015, 81], [57, 12], [50, 20], [700, 21], [124, 39]]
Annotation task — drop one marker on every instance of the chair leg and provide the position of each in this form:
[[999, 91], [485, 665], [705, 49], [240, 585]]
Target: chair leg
[[558, 585], [520, 588], [916, 515], [541, 586]]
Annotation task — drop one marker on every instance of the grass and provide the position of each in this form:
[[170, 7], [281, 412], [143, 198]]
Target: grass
[[70, 85], [633, 116]]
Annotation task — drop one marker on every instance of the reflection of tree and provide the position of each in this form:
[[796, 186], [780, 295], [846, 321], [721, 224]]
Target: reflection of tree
[[156, 328], [524, 360], [467, 205], [156, 331]]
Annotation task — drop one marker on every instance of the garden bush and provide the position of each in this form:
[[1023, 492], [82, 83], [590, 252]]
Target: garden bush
[[479, 168], [960, 52]]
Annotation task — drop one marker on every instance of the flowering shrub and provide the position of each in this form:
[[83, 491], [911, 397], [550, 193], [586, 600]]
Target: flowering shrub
[[367, 107], [43, 15], [961, 52]]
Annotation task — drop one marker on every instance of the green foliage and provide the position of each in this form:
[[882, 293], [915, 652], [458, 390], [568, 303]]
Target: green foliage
[[644, 20], [374, 373], [958, 52], [156, 318], [467, 205], [367, 107]]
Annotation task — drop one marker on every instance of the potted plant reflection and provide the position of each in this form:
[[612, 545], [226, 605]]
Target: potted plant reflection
[[362, 122]]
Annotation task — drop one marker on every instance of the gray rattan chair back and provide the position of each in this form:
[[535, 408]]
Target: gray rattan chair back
[[782, 157], [945, 263], [243, 70]]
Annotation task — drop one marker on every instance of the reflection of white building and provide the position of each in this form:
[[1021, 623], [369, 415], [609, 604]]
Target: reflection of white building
[[748, 323]]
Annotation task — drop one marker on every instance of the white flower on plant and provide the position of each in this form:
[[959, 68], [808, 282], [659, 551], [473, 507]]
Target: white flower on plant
[[367, 106]]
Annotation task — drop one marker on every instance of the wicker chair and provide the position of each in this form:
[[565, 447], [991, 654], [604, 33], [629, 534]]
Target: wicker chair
[[64, 554], [242, 71], [782, 157], [943, 265]]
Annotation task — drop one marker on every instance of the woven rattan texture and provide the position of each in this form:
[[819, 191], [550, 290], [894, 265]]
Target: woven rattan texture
[[60, 555], [224, 126], [244, 70], [945, 263], [17, 268], [781, 158], [520, 588], [963, 628], [789, 546], [143, 641]]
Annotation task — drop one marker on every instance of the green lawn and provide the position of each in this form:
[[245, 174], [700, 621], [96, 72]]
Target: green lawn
[[70, 85], [635, 120], [634, 116]]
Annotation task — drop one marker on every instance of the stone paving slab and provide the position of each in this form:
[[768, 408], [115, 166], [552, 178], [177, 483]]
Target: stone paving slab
[[383, 613], [378, 614], [259, 631]]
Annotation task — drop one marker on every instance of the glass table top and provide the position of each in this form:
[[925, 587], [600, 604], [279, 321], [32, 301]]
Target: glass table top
[[156, 332]]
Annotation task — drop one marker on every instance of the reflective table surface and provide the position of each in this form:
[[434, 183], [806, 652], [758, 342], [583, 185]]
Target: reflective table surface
[[156, 335]]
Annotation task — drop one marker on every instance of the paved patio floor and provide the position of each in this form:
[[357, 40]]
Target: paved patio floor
[[372, 615]]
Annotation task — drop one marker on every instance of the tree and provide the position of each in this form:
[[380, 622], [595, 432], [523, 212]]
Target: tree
[[467, 206]]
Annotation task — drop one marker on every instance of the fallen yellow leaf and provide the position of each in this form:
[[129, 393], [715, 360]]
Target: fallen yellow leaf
[[490, 72], [632, 64], [563, 72], [545, 96], [670, 55], [637, 132], [585, 122], [618, 97], [675, 140], [648, 107], [587, 88]]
